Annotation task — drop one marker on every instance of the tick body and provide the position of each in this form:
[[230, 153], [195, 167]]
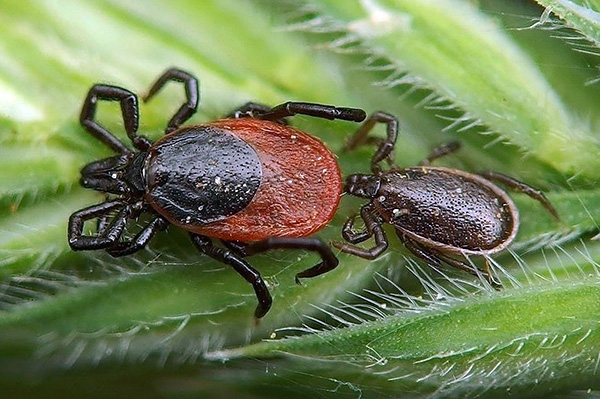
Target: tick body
[[249, 180], [438, 213], [244, 180]]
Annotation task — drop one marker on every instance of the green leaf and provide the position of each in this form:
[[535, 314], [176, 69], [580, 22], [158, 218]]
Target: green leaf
[[550, 333], [395, 327], [582, 16], [470, 63]]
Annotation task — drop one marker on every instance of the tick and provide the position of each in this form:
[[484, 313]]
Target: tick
[[249, 180], [437, 212]]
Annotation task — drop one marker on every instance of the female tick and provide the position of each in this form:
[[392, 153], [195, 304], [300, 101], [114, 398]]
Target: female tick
[[249, 180]]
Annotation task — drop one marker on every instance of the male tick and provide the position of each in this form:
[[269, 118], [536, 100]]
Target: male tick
[[437, 212]]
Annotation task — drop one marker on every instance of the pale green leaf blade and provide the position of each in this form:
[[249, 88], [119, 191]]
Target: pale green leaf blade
[[466, 59]]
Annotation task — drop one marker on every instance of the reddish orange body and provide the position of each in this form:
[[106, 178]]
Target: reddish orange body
[[300, 184]]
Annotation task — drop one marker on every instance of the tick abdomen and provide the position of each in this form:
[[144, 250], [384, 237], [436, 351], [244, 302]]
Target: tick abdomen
[[300, 188], [447, 206]]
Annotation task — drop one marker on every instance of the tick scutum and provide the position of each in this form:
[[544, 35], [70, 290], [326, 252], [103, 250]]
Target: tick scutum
[[201, 174]]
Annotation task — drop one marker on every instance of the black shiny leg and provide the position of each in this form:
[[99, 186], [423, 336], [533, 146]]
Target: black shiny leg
[[374, 228], [192, 94], [123, 248], [248, 109], [205, 245], [253, 110], [517, 185], [317, 110], [238, 247], [108, 236], [102, 224], [352, 236], [129, 109], [386, 147], [329, 261], [440, 151]]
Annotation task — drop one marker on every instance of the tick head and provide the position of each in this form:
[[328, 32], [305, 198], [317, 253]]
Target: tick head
[[364, 186]]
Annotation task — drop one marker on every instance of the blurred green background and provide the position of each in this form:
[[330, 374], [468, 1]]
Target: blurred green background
[[516, 84]]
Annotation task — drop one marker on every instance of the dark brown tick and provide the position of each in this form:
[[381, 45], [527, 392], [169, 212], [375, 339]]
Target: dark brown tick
[[436, 212], [249, 180]]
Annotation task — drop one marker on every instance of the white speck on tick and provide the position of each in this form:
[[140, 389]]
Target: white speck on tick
[[398, 212]]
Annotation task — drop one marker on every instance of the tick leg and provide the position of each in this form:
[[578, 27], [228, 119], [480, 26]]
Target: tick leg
[[420, 252], [251, 275], [129, 109], [317, 110], [354, 237], [110, 233], [102, 223], [247, 110], [440, 151], [123, 248], [375, 229], [435, 258], [385, 147], [236, 246], [518, 185], [253, 110], [250, 109], [329, 261], [192, 95]]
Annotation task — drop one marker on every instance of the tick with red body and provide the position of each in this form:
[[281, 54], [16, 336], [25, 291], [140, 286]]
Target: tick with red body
[[249, 180]]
